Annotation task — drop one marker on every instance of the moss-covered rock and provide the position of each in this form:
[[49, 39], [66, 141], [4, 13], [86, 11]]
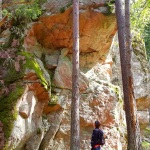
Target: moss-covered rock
[[32, 64], [7, 108], [139, 49], [12, 75], [53, 100]]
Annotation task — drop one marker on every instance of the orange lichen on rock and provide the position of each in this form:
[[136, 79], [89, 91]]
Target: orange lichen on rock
[[96, 31], [47, 109], [34, 85]]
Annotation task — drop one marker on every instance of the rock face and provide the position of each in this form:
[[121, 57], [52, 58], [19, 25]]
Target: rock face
[[141, 80], [93, 104], [57, 33], [27, 122], [99, 99], [43, 120], [59, 6]]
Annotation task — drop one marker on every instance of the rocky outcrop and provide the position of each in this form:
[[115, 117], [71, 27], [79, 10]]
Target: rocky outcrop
[[141, 80], [92, 108], [57, 34], [97, 97], [25, 126], [59, 6], [93, 102], [43, 111]]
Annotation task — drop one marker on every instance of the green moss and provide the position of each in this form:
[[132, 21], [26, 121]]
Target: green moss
[[62, 9], [39, 131], [53, 100], [31, 63], [12, 75], [8, 113]]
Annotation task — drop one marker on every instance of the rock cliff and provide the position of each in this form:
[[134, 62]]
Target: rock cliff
[[36, 90]]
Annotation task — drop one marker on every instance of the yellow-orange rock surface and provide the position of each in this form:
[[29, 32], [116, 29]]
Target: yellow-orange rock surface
[[96, 32]]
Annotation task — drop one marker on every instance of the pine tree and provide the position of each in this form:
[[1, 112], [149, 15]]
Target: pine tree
[[75, 125], [123, 22]]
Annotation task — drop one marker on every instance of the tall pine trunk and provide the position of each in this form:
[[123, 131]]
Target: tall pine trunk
[[75, 124], [134, 139], [134, 142]]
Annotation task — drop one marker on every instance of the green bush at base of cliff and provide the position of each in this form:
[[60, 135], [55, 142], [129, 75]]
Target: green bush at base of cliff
[[8, 112]]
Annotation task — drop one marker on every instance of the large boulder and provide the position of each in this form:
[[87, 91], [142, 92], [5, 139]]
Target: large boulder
[[27, 122]]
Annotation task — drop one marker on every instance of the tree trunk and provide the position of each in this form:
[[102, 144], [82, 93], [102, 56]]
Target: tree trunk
[[75, 125], [134, 142], [134, 139]]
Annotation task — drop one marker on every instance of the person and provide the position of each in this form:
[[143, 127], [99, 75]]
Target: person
[[97, 137]]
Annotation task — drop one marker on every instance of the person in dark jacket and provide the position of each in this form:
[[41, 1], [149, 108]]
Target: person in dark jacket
[[97, 136]]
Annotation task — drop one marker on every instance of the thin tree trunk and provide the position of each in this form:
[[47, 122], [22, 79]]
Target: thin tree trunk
[[134, 139], [75, 124], [129, 100]]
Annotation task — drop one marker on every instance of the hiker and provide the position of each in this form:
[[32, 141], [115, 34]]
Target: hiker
[[97, 137]]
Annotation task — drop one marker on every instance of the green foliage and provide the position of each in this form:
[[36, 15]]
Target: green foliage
[[140, 18], [20, 15], [111, 6], [23, 13], [8, 111], [147, 39], [31, 63], [140, 14]]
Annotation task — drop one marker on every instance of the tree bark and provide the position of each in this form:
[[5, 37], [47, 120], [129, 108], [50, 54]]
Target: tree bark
[[134, 139], [134, 142], [75, 124]]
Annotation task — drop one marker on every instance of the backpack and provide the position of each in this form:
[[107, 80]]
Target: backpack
[[101, 139]]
